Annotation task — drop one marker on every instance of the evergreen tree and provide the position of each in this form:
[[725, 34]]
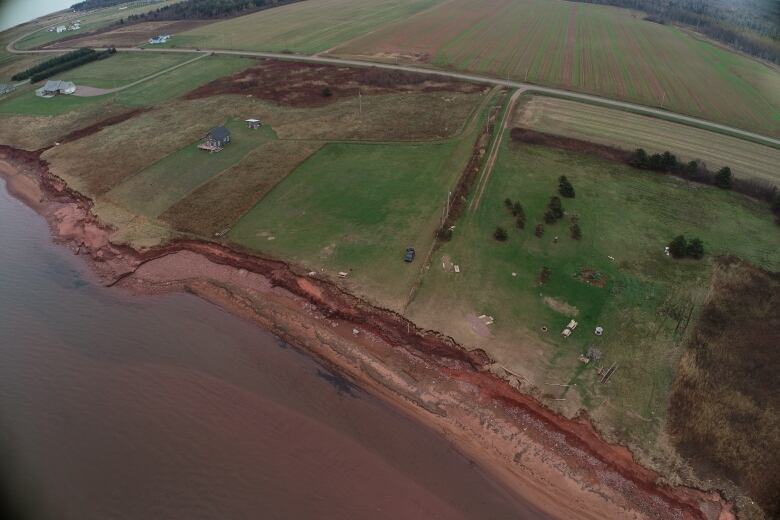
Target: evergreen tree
[[555, 207], [500, 234], [678, 247], [695, 248], [638, 159], [576, 232], [723, 178], [565, 188]]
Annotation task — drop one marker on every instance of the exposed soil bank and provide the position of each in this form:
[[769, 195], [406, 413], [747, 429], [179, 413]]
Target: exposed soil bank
[[560, 465]]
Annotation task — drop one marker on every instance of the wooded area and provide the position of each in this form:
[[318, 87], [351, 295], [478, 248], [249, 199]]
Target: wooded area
[[206, 9]]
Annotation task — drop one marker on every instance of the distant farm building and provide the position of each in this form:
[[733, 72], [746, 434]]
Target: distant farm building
[[254, 124], [216, 139], [54, 87], [162, 38], [61, 29]]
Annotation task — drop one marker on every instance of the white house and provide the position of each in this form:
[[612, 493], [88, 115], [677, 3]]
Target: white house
[[160, 39], [61, 28]]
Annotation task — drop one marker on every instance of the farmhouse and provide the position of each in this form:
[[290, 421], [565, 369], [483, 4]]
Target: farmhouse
[[254, 124], [216, 139], [54, 87], [61, 29]]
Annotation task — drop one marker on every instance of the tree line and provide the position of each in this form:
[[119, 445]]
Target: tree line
[[61, 63], [205, 9], [696, 171], [752, 27], [87, 5]]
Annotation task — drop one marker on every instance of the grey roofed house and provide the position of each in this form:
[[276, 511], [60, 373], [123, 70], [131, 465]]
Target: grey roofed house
[[216, 139], [54, 87]]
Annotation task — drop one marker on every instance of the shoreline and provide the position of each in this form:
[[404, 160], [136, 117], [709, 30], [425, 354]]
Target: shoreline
[[561, 466]]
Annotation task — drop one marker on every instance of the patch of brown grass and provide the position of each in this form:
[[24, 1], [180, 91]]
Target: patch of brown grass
[[725, 405], [219, 203], [33, 132], [301, 84], [95, 164]]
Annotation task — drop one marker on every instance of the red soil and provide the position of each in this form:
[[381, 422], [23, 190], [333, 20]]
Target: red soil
[[100, 125], [302, 84]]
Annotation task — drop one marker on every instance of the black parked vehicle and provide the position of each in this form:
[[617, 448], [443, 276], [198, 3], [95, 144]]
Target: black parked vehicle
[[409, 256]]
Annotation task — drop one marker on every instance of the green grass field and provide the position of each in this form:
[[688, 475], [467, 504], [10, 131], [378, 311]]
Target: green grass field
[[123, 68], [355, 208], [305, 27], [630, 131], [127, 67], [589, 48], [625, 214], [151, 191]]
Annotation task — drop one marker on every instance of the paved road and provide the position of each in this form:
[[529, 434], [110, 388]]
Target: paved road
[[524, 87]]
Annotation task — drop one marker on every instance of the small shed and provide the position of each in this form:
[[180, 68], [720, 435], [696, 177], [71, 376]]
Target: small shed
[[254, 124], [216, 139]]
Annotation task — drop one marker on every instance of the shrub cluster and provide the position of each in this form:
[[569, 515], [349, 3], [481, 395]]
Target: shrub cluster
[[679, 247]]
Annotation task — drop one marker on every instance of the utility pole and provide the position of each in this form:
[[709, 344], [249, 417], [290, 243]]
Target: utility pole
[[360, 102]]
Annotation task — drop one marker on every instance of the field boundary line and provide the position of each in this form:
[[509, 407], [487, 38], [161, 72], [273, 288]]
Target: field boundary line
[[487, 170], [484, 107]]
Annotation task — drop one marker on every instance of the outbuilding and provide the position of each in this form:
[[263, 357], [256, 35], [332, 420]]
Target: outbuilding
[[254, 124]]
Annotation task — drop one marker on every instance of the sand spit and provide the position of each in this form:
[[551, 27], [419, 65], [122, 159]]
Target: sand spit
[[560, 465]]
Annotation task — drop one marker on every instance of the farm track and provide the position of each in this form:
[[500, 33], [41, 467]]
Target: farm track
[[506, 120], [474, 78]]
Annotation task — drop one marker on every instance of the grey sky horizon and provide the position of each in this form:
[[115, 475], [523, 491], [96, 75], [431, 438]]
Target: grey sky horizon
[[14, 12]]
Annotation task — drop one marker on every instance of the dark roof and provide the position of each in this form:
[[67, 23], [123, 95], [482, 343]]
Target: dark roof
[[219, 133]]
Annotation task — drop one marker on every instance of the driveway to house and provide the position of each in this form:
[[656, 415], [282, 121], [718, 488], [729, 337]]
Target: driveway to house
[[87, 91], [474, 78]]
